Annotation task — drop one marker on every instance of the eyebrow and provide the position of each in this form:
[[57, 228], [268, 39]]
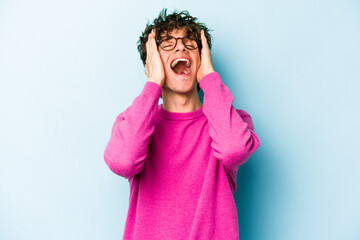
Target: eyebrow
[[165, 37]]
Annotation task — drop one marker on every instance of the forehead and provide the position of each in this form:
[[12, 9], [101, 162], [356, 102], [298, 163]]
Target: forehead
[[175, 33]]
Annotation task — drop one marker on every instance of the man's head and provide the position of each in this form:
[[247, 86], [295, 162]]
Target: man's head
[[168, 28]]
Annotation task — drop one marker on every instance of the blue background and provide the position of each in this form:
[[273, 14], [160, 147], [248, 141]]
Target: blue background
[[68, 68]]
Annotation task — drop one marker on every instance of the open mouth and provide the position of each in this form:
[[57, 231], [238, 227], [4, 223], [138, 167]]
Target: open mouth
[[181, 66]]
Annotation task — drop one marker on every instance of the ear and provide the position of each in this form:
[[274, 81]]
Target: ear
[[146, 71]]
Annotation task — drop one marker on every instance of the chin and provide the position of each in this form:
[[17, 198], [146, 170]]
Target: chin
[[181, 86]]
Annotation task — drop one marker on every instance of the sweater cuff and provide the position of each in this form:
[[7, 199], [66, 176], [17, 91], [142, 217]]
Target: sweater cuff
[[209, 79], [151, 89]]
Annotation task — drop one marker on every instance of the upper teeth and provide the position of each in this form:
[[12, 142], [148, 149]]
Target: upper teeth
[[180, 59]]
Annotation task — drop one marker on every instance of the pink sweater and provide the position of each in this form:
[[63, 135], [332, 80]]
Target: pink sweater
[[181, 167]]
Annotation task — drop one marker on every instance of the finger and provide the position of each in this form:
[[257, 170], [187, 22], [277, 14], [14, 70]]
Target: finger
[[146, 70], [148, 44], [203, 39], [151, 33], [147, 51], [150, 37], [153, 41]]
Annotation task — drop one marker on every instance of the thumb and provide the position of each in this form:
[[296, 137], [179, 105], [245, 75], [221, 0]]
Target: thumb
[[146, 70]]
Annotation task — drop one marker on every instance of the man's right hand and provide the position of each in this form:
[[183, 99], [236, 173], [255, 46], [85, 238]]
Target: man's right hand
[[154, 68]]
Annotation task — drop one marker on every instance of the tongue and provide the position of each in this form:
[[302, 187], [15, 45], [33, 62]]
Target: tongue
[[180, 68]]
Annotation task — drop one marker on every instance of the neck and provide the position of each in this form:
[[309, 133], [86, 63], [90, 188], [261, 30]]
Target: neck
[[175, 102]]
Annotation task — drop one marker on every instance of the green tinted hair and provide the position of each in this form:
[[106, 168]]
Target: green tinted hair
[[164, 24]]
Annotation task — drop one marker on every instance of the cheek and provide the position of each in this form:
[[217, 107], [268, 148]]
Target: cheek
[[163, 57], [198, 61]]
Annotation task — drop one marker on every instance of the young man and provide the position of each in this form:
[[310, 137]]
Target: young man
[[181, 157]]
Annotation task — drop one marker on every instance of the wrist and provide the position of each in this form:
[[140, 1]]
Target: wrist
[[206, 73], [155, 81]]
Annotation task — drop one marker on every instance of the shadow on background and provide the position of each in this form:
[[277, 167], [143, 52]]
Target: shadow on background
[[250, 195], [259, 181]]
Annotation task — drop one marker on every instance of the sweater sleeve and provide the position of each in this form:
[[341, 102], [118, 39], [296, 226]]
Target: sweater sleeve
[[231, 130], [126, 150]]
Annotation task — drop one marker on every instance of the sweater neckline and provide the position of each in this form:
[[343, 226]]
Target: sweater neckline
[[179, 115]]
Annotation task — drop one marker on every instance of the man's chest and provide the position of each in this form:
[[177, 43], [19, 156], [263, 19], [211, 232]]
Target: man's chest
[[180, 144]]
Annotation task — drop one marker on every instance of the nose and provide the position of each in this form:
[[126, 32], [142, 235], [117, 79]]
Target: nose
[[180, 46]]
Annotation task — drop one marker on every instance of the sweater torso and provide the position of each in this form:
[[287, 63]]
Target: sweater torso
[[173, 174], [181, 167]]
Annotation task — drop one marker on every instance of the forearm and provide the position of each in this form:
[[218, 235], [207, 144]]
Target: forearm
[[233, 139], [126, 150]]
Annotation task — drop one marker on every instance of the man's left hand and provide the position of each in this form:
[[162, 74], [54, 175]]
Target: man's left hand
[[206, 65]]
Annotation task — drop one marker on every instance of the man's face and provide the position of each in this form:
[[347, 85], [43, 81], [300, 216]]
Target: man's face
[[180, 77]]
